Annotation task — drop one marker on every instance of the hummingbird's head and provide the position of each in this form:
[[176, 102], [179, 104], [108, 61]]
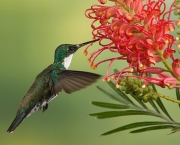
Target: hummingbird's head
[[65, 50]]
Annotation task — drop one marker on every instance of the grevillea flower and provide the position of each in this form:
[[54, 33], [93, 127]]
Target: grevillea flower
[[140, 32], [176, 67]]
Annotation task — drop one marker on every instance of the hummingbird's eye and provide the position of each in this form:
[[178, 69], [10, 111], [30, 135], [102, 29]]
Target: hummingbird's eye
[[70, 48]]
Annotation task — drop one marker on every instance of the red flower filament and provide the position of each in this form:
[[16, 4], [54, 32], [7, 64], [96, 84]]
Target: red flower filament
[[140, 32]]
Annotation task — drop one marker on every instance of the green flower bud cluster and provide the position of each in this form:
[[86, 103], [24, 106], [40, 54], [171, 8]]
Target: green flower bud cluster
[[135, 87], [177, 12]]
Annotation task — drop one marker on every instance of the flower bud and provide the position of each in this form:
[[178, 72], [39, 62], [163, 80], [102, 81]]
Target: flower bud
[[176, 67], [153, 70], [102, 1]]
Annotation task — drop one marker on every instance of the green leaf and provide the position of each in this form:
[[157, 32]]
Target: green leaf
[[116, 70], [112, 94], [135, 125], [121, 93], [154, 106], [125, 104], [178, 94], [153, 128], [154, 87], [160, 104], [140, 102], [175, 130], [109, 105], [110, 114]]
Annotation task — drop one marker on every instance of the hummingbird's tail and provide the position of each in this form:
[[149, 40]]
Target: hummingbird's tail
[[16, 122]]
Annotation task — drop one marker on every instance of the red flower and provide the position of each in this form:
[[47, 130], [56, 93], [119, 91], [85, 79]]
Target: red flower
[[176, 67], [163, 80], [139, 31]]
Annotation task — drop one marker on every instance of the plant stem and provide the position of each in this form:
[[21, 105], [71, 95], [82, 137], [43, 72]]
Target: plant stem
[[167, 98], [159, 52]]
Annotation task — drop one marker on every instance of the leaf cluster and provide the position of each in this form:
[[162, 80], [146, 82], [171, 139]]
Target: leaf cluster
[[126, 106]]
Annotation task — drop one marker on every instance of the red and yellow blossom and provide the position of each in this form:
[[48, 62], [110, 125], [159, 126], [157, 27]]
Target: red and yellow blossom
[[140, 32]]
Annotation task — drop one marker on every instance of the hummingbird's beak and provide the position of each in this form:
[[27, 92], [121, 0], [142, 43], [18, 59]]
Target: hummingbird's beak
[[85, 43]]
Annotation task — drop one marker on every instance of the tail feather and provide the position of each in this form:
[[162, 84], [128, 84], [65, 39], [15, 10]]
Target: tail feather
[[16, 122]]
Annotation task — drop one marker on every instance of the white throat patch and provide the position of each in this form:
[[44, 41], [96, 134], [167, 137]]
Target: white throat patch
[[67, 61]]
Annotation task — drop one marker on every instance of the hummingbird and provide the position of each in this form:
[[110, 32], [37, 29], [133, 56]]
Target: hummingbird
[[51, 81]]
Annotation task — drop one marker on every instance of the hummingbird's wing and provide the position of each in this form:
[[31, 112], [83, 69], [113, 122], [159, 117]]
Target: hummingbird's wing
[[70, 81]]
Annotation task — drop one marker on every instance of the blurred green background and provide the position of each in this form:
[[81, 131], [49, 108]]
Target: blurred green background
[[29, 33]]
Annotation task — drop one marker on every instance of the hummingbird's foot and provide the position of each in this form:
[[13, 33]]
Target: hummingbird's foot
[[45, 107]]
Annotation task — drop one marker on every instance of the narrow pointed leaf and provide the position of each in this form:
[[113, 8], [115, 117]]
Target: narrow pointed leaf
[[112, 94], [175, 130], [154, 87], [178, 94], [110, 114], [140, 102], [116, 70], [153, 128], [121, 93], [160, 104], [135, 125], [154, 106], [109, 105]]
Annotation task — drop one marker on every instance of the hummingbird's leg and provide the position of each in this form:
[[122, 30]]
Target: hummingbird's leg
[[45, 107]]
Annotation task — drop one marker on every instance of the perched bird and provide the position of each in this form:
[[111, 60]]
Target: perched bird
[[53, 80]]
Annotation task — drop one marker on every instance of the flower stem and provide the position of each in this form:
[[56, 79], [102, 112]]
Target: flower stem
[[165, 62], [167, 98]]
